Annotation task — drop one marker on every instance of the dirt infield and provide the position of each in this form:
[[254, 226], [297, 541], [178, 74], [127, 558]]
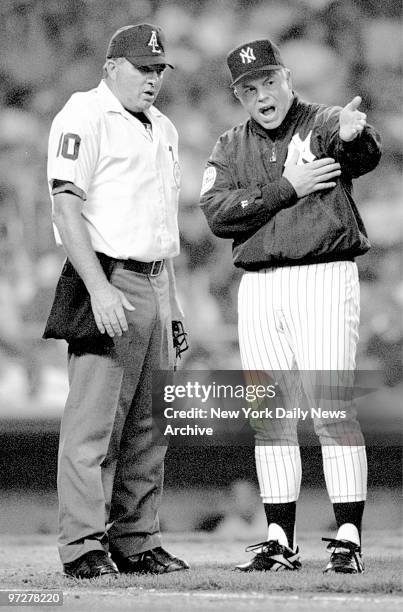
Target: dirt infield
[[31, 563]]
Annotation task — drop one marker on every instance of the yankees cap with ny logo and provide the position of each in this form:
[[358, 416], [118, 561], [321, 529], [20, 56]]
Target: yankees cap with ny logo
[[253, 57], [142, 45]]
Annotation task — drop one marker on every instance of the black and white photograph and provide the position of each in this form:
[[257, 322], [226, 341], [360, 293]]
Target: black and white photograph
[[201, 298]]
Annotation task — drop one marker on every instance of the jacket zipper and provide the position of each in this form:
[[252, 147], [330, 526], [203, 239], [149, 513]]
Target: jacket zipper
[[273, 153]]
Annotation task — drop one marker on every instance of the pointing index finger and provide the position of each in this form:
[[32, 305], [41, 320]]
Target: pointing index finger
[[355, 103]]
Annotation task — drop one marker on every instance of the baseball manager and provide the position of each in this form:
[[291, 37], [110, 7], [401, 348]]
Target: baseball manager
[[280, 186], [114, 179]]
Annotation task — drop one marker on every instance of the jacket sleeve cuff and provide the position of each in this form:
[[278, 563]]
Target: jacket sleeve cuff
[[279, 195], [287, 191], [364, 139]]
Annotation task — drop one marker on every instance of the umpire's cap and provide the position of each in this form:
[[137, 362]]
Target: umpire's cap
[[251, 57], [142, 45]]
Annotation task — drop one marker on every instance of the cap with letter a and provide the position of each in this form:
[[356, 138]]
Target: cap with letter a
[[142, 45], [255, 56]]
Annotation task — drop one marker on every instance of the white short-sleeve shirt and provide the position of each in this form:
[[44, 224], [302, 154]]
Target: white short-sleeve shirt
[[127, 178]]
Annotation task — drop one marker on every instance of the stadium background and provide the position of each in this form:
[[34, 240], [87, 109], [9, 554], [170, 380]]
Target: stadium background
[[50, 48]]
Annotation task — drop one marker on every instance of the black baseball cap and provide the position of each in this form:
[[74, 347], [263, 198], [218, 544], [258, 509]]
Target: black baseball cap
[[251, 57], [142, 45]]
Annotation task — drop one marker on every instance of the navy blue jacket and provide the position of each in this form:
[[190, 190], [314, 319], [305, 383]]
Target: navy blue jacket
[[246, 198]]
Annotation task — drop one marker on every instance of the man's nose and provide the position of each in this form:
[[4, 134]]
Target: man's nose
[[153, 76], [262, 93]]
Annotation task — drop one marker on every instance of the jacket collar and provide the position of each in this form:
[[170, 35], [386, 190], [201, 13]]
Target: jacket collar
[[281, 129]]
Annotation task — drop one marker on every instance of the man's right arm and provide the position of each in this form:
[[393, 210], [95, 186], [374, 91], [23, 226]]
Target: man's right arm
[[107, 301], [231, 211]]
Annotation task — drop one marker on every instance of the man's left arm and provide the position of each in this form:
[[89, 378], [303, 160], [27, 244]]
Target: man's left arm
[[352, 141]]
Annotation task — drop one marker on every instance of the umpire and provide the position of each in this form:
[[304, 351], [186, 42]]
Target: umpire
[[114, 179]]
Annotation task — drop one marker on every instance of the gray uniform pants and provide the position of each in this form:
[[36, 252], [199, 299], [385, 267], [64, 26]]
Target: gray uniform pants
[[110, 473]]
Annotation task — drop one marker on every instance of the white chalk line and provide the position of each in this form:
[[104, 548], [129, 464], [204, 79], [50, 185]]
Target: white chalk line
[[227, 596]]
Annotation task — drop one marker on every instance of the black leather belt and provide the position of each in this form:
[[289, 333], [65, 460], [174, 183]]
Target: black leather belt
[[151, 268]]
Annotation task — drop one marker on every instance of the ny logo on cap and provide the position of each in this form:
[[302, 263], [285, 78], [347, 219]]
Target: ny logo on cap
[[153, 42], [247, 55]]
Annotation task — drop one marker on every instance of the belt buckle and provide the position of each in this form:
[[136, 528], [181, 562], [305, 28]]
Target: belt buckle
[[156, 267]]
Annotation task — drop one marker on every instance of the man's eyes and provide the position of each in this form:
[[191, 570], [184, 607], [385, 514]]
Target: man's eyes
[[251, 90], [148, 69]]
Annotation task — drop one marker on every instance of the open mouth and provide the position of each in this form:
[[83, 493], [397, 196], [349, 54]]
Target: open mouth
[[267, 110], [149, 92]]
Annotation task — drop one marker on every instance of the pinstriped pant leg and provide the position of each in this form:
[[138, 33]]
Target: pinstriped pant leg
[[325, 297], [264, 347]]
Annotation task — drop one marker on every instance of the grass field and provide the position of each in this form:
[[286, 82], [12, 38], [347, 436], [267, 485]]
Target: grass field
[[31, 563]]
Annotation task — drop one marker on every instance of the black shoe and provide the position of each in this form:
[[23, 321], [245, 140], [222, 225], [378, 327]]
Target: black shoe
[[92, 564], [345, 559], [271, 556], [155, 561]]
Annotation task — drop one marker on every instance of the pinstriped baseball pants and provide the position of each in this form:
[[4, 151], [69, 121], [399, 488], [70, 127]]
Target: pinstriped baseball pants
[[304, 319]]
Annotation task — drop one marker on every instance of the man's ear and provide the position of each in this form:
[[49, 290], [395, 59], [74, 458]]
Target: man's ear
[[236, 94], [288, 77], [110, 68]]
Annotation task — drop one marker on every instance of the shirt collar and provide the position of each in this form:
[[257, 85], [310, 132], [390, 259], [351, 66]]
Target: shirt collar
[[108, 99], [110, 102]]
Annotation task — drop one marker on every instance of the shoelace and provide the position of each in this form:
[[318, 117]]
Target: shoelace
[[341, 556], [270, 547]]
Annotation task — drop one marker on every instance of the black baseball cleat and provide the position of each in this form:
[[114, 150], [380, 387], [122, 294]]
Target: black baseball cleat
[[271, 556], [345, 559], [92, 564], [155, 561]]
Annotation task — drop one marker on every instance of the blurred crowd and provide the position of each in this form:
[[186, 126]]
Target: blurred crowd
[[51, 48]]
